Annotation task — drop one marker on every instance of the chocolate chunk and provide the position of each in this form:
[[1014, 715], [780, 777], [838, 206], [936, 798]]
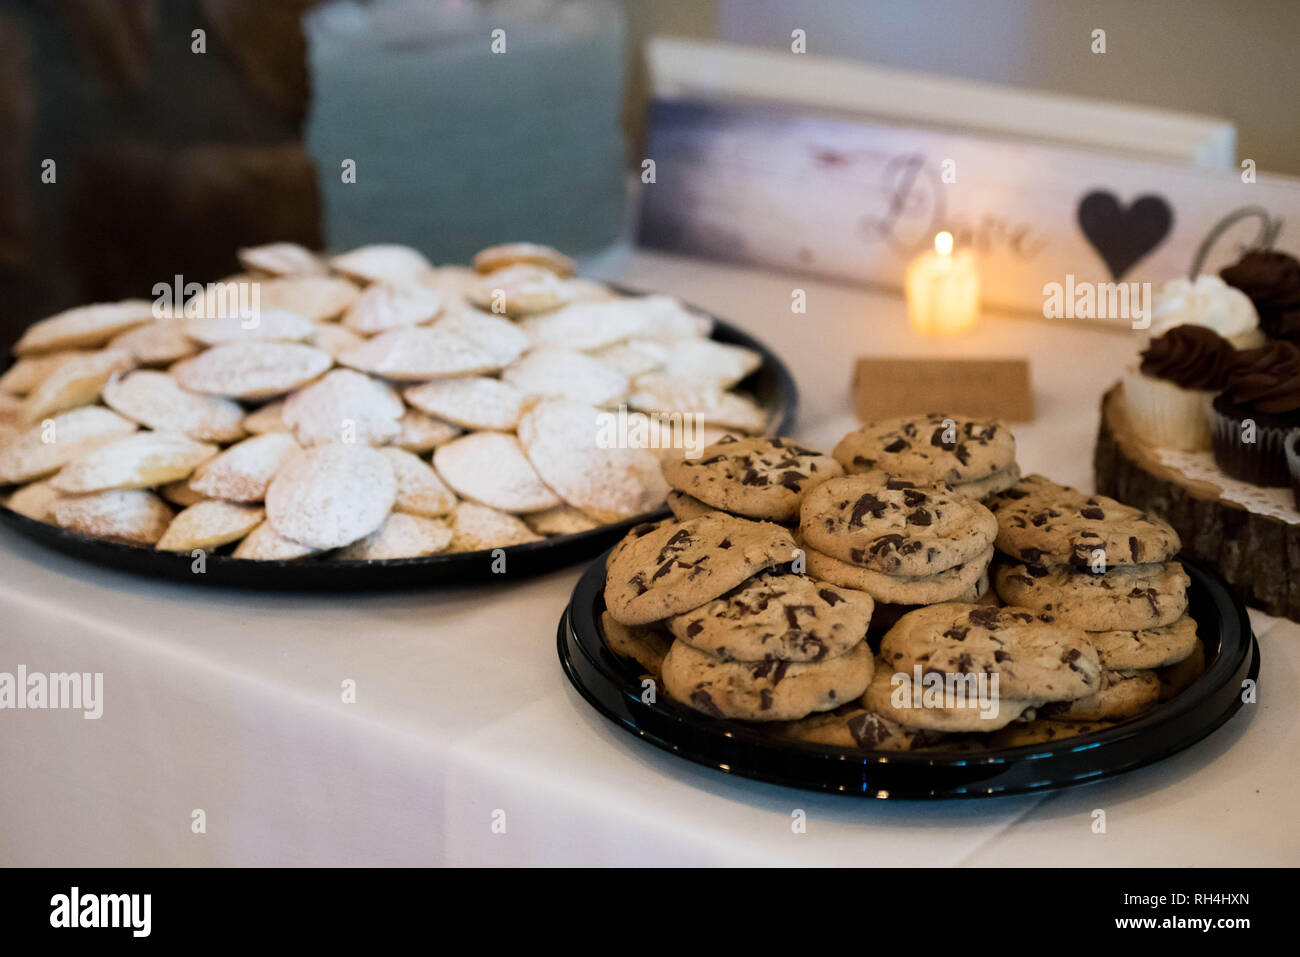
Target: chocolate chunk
[[913, 497], [898, 445], [700, 698], [919, 517], [830, 597], [1092, 512], [868, 504]]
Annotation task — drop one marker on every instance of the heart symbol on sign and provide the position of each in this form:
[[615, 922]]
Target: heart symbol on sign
[[1123, 236]]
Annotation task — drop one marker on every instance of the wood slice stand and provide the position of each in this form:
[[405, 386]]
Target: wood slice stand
[[1259, 555]]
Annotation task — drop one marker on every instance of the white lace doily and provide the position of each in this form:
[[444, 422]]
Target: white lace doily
[[1276, 503]]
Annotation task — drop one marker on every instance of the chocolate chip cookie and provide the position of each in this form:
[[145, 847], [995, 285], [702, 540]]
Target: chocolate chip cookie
[[1146, 647], [894, 694], [678, 566], [1033, 656], [853, 726], [1127, 597], [1043, 523], [764, 690], [894, 526], [935, 448], [1123, 694], [780, 616], [1044, 731], [645, 644], [959, 583], [763, 478]]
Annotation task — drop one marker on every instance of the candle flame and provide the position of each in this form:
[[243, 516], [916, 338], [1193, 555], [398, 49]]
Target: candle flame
[[943, 243]]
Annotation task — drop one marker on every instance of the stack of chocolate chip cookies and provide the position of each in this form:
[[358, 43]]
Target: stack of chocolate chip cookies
[[906, 544], [1099, 565], [713, 604], [761, 599]]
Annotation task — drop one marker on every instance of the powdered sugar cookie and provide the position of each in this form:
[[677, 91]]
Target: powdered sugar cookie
[[265, 544], [453, 284], [704, 360], [84, 326], [561, 520], [566, 374], [157, 343], [520, 290], [420, 433], [419, 489], [344, 406], [155, 400], [180, 493], [384, 306], [135, 517], [75, 383], [381, 262], [45, 448], [36, 501], [27, 374], [473, 402], [400, 536], [313, 298], [142, 460], [209, 525], [331, 495], [561, 439], [332, 338], [586, 326], [420, 352], [656, 392], [532, 254], [267, 418], [475, 527], [252, 370], [491, 468], [499, 338], [243, 472], [634, 357], [269, 324], [281, 259]]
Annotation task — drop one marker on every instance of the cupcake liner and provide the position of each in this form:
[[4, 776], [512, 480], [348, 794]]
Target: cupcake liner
[[1292, 450], [1262, 462], [1166, 415]]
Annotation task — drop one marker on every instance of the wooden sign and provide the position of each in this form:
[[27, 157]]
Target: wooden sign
[[856, 200], [998, 388]]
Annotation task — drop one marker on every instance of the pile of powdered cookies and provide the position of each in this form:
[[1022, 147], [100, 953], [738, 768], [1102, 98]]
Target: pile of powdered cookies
[[367, 405], [761, 601]]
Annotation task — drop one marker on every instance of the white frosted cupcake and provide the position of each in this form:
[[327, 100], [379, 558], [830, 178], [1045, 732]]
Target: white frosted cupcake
[[1210, 302], [1169, 395]]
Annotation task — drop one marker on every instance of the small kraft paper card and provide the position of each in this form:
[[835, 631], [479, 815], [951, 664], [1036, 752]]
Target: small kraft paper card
[[994, 388]]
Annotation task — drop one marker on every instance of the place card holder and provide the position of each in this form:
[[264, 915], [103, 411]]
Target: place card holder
[[994, 388]]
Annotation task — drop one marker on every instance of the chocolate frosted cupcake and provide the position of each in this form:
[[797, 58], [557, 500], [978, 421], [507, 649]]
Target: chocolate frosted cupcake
[[1168, 396], [1272, 281], [1259, 406]]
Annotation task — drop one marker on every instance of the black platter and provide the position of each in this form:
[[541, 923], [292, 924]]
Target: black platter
[[770, 384], [613, 687]]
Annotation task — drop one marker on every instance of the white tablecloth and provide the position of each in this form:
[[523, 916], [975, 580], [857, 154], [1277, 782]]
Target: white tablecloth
[[230, 702]]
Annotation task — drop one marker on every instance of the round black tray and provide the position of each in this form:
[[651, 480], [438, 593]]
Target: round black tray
[[771, 385], [613, 687]]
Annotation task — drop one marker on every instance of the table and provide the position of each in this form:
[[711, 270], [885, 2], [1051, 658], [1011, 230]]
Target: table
[[466, 745]]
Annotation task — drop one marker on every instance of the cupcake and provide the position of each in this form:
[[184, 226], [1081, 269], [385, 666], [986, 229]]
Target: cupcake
[[1292, 448], [1259, 406], [1210, 302], [1272, 281], [1169, 395]]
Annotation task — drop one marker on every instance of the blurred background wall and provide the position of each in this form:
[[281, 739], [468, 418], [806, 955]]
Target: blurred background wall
[[1237, 59], [168, 161]]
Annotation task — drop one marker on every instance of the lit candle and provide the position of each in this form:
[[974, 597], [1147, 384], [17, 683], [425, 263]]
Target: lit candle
[[943, 290]]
